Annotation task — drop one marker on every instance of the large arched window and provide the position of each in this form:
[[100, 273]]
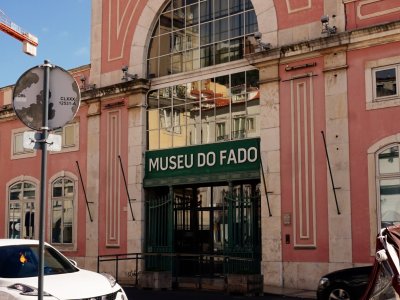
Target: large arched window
[[193, 34], [62, 210], [21, 210], [388, 183]]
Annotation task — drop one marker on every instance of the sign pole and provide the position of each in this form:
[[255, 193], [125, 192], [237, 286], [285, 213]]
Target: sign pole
[[32, 91], [46, 83]]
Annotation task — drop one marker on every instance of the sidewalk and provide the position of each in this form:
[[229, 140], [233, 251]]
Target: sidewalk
[[270, 292], [289, 292]]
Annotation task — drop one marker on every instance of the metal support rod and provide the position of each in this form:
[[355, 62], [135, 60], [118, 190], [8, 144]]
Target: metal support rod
[[330, 172], [84, 192], [42, 209], [126, 187], [265, 185]]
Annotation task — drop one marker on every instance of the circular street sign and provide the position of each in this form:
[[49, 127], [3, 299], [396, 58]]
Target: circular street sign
[[64, 98]]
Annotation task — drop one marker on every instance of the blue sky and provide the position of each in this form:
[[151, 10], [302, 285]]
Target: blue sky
[[63, 30]]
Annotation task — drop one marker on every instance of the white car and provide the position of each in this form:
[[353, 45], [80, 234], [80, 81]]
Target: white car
[[62, 279]]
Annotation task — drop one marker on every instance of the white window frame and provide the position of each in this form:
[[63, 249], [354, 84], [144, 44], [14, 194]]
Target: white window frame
[[65, 246], [385, 98], [65, 147], [383, 176], [18, 134], [23, 202], [373, 102]]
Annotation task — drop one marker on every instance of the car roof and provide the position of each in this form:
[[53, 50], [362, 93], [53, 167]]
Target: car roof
[[13, 242]]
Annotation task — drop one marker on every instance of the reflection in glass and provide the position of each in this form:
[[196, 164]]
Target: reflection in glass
[[193, 25], [206, 111], [389, 160], [390, 201], [386, 82], [21, 210], [62, 214]]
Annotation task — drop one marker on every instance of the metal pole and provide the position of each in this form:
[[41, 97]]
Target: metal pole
[[46, 87], [330, 173]]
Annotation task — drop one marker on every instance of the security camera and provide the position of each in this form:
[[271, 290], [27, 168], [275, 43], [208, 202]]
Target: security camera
[[263, 46], [257, 35], [325, 19], [325, 26], [126, 75]]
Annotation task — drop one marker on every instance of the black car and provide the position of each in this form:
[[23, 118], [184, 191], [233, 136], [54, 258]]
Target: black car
[[348, 284]]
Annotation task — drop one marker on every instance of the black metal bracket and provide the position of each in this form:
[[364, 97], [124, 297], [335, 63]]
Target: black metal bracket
[[264, 183], [126, 187], [84, 192], [334, 188]]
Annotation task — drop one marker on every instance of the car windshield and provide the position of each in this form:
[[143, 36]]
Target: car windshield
[[19, 261]]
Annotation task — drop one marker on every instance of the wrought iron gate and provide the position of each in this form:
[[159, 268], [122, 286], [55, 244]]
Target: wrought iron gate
[[159, 233], [244, 233]]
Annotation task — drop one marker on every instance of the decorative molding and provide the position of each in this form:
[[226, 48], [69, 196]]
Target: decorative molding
[[303, 164], [120, 16], [375, 13], [291, 10], [113, 178]]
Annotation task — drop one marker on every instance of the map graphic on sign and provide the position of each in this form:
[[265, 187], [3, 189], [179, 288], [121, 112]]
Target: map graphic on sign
[[64, 98]]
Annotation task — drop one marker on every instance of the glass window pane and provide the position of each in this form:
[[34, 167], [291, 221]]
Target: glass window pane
[[154, 47], [206, 11], [235, 6], [154, 139], [236, 23], [165, 138], [166, 22], [57, 191], [236, 49], [152, 119], [166, 44], [390, 201], [192, 14], [152, 100], [165, 65], [18, 143], [222, 52], [207, 56], [179, 95], [192, 37], [69, 135], [206, 33], [179, 19], [251, 22], [152, 68], [386, 82], [192, 60], [221, 9], [389, 161], [56, 222], [178, 3], [248, 4], [68, 221], [221, 28], [177, 63], [178, 41]]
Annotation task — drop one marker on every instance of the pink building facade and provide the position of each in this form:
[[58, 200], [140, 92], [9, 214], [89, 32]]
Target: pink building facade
[[284, 148]]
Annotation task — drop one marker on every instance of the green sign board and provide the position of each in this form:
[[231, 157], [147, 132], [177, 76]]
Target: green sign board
[[203, 162]]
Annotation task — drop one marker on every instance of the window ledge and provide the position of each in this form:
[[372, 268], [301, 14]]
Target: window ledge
[[383, 104]]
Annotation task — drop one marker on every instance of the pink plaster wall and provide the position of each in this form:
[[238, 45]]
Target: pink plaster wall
[[315, 247], [366, 127]]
